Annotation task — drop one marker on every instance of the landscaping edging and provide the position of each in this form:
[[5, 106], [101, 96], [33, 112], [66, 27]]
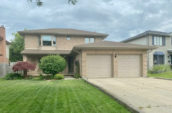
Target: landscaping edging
[[131, 109]]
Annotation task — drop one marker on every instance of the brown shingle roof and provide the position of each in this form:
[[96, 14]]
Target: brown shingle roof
[[159, 33], [112, 45], [44, 52], [59, 31]]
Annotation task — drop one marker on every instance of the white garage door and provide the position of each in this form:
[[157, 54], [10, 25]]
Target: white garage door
[[129, 66], [98, 66]]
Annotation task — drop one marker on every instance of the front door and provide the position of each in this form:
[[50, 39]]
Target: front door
[[171, 59], [70, 64]]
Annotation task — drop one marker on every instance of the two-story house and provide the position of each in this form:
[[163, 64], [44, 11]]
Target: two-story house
[[97, 58], [162, 40]]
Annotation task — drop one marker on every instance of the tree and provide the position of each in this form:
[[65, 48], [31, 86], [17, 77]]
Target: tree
[[52, 64], [23, 66], [40, 3], [17, 45]]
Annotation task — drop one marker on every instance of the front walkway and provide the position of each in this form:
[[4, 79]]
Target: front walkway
[[145, 95]]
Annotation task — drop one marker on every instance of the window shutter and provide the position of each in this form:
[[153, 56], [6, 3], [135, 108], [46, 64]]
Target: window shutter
[[152, 40], [163, 41]]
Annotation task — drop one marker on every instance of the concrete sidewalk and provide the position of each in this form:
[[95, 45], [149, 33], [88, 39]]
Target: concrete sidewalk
[[146, 95]]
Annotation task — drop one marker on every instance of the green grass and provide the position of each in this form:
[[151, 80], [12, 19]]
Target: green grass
[[167, 75], [64, 96]]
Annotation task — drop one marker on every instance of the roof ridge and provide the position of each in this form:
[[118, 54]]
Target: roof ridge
[[63, 31], [148, 32]]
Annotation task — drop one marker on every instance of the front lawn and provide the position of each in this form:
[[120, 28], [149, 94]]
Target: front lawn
[[64, 96], [167, 75]]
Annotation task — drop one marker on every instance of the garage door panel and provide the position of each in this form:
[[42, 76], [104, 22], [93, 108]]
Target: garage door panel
[[129, 66], [98, 66]]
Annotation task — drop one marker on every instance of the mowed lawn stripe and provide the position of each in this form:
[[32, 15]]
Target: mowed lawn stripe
[[25, 98], [83, 96], [55, 96], [9, 100]]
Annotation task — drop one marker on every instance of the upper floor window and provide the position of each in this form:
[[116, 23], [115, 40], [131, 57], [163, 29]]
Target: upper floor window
[[158, 40], [68, 38], [48, 40], [89, 40]]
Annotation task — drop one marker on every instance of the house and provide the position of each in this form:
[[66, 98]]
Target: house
[[162, 54], [97, 58], [4, 52]]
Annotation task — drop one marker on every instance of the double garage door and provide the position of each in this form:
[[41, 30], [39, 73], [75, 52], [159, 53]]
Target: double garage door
[[100, 66]]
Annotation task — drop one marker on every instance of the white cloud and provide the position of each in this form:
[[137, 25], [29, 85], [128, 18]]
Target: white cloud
[[120, 19]]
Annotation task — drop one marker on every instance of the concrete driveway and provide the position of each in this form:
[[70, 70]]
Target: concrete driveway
[[145, 95]]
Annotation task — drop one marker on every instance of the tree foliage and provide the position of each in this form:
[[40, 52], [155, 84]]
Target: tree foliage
[[52, 64], [23, 66], [40, 2], [17, 45]]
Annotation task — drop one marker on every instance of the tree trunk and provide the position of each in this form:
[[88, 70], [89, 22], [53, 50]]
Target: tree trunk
[[25, 73]]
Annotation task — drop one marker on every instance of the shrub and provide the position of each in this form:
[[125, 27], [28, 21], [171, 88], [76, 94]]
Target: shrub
[[52, 64], [41, 77], [12, 76], [160, 69], [23, 66], [76, 75], [59, 76]]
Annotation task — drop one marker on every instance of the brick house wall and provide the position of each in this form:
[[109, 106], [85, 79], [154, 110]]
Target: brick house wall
[[3, 58], [4, 67]]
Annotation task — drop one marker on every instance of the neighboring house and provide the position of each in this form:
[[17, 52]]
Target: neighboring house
[[4, 52], [97, 58], [163, 42]]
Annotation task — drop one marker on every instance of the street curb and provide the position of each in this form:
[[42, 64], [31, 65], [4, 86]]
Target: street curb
[[128, 107]]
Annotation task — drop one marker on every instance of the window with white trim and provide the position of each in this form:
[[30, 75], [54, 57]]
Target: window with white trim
[[89, 40], [48, 40], [158, 40]]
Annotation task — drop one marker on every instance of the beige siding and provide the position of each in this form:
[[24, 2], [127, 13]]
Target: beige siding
[[31, 42], [141, 41], [64, 44]]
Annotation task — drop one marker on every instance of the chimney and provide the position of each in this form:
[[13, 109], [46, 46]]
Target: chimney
[[3, 58]]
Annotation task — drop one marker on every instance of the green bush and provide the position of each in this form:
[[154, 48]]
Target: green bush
[[13, 76], [76, 75], [59, 76], [52, 64], [160, 69]]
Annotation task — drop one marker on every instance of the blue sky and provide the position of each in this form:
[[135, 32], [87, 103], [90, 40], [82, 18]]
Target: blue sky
[[118, 18]]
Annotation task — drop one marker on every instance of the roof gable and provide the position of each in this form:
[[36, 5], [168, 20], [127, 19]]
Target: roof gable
[[146, 33]]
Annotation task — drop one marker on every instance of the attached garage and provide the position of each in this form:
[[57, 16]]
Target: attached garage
[[98, 66], [129, 65], [107, 59]]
